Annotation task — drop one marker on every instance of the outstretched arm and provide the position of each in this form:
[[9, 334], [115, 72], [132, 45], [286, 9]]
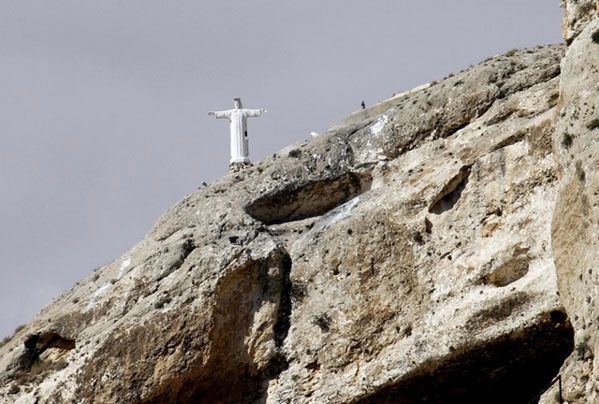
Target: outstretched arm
[[219, 114], [254, 112]]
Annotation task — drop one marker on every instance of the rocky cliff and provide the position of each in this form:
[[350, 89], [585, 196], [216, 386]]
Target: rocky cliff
[[575, 227], [437, 247]]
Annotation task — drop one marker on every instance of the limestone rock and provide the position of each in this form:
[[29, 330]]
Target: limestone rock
[[405, 254], [577, 14], [575, 230], [397, 290]]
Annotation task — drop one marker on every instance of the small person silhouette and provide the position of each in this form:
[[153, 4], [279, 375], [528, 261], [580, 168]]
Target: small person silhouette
[[363, 105]]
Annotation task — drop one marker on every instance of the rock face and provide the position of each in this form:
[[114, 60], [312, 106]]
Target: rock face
[[577, 14], [444, 264], [405, 255], [438, 247], [575, 229]]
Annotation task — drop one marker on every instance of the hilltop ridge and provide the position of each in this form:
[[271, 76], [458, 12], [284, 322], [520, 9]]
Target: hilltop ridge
[[436, 247]]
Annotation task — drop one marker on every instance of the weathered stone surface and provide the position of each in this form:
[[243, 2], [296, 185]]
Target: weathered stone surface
[[404, 254], [577, 14], [447, 258], [575, 230]]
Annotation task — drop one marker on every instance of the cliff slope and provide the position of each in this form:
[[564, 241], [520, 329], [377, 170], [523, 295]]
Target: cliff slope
[[575, 228], [408, 254]]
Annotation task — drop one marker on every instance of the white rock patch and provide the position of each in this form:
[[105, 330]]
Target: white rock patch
[[379, 125], [344, 210], [99, 292], [124, 265]]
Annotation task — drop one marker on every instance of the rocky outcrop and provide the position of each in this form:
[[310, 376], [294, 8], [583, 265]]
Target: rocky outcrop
[[442, 268], [575, 229], [577, 14], [437, 247], [403, 255]]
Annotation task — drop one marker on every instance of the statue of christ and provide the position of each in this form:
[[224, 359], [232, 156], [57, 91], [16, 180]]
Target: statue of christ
[[238, 123]]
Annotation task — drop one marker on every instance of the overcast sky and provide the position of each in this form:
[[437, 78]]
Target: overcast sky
[[103, 104]]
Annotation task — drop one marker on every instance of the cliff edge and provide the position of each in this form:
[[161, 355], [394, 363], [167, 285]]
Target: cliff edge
[[436, 247]]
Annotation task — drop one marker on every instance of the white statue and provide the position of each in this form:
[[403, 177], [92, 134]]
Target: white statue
[[239, 134]]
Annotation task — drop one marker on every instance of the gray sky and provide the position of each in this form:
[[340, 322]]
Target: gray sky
[[103, 104]]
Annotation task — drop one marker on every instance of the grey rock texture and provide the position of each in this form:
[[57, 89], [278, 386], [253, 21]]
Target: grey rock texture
[[577, 14], [575, 229], [405, 254], [447, 254]]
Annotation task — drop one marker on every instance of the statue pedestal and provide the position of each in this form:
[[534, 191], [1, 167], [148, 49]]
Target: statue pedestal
[[238, 167]]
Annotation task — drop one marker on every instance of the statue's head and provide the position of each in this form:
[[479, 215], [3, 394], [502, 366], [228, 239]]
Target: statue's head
[[237, 102]]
